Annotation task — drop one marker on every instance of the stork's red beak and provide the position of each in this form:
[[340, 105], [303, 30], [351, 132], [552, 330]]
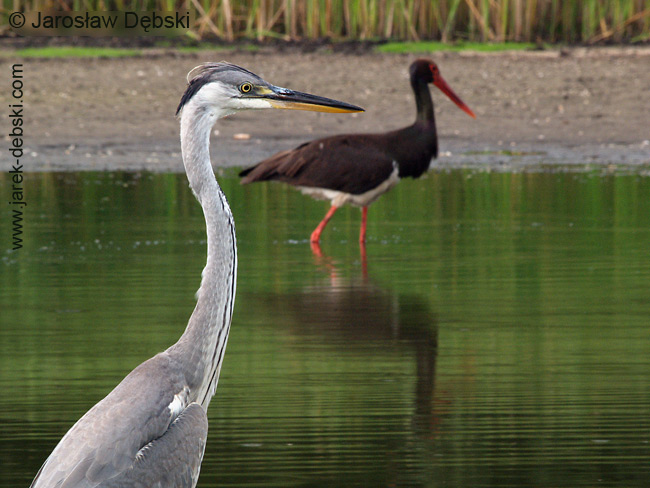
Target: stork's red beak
[[444, 88]]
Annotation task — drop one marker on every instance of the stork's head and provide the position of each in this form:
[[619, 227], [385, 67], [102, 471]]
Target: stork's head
[[427, 71], [226, 88]]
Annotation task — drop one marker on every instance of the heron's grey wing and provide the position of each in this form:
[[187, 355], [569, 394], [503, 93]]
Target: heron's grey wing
[[105, 441], [171, 461]]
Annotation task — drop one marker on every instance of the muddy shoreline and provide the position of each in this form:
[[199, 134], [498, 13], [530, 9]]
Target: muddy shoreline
[[569, 109]]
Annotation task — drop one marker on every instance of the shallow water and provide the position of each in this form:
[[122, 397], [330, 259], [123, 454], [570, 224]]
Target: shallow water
[[494, 334]]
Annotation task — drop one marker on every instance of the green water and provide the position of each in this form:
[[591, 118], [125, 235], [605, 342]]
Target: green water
[[496, 333]]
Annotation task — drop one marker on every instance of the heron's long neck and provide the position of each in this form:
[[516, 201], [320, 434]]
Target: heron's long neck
[[202, 346]]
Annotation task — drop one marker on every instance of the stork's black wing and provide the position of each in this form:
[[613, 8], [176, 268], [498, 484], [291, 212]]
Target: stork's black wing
[[348, 163]]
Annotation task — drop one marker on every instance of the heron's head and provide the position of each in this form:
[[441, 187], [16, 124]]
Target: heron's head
[[225, 88]]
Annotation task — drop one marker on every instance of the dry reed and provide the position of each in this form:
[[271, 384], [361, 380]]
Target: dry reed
[[551, 21]]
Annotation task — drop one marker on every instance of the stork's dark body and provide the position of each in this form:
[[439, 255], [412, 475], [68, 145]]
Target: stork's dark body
[[353, 163], [358, 168]]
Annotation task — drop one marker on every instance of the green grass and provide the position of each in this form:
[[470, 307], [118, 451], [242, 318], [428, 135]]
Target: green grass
[[218, 48], [108, 52], [72, 52], [432, 46]]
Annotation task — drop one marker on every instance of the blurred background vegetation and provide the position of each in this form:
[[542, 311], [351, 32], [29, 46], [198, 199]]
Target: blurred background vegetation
[[548, 21]]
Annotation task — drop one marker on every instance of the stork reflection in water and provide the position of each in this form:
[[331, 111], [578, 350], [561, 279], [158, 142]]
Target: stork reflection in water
[[151, 430], [358, 168]]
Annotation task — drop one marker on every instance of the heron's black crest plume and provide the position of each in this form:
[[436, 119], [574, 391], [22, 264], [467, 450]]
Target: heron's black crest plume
[[208, 72]]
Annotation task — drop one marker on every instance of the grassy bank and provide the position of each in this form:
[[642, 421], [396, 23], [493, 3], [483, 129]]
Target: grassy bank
[[48, 52]]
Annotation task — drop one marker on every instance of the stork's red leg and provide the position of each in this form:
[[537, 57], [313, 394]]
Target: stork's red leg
[[315, 236], [364, 218], [364, 260], [315, 249]]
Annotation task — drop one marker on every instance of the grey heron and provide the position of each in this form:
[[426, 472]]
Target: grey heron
[[151, 430]]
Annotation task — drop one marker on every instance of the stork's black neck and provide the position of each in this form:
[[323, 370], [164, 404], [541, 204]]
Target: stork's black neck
[[423, 101], [414, 146]]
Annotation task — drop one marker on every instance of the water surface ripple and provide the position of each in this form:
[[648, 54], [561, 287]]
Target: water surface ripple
[[495, 333]]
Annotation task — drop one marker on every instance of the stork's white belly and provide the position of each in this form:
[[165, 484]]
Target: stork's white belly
[[339, 198]]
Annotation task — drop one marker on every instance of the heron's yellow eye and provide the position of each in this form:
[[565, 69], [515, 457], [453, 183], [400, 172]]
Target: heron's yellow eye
[[245, 87]]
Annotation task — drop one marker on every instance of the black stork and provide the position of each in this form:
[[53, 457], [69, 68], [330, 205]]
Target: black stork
[[358, 168]]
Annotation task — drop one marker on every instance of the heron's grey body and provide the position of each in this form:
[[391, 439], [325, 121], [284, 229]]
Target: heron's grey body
[[151, 430]]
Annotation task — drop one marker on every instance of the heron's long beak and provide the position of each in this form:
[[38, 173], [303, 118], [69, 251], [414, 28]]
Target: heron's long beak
[[284, 98], [444, 88]]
